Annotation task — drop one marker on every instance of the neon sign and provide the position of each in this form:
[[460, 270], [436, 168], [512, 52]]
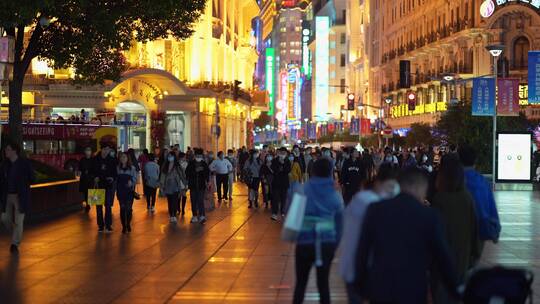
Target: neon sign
[[322, 45], [270, 63], [306, 32]]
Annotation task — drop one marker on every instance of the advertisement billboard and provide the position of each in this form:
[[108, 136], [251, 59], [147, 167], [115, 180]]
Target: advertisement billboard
[[322, 46], [270, 66], [514, 153]]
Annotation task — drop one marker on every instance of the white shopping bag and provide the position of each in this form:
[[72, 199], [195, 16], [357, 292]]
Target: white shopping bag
[[295, 217]]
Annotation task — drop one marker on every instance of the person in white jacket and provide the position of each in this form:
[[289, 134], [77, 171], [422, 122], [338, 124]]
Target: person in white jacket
[[385, 187]]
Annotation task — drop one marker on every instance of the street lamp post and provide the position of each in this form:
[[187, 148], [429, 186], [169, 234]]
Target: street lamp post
[[495, 51]]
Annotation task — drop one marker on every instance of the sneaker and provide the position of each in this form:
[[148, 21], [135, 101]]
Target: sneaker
[[194, 219], [274, 217], [153, 209], [100, 230], [14, 248], [108, 230], [203, 219], [171, 219]]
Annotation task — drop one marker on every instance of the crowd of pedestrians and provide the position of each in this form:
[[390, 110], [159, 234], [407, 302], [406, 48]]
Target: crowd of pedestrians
[[409, 223]]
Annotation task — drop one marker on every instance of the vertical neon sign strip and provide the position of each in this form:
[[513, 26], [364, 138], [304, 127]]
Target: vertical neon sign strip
[[270, 62], [322, 26]]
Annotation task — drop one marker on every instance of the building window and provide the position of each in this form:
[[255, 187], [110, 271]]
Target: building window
[[332, 44], [521, 52], [343, 38], [342, 86], [333, 60], [342, 60], [332, 74]]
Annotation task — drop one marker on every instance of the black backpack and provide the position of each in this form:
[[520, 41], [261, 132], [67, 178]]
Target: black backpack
[[509, 285]]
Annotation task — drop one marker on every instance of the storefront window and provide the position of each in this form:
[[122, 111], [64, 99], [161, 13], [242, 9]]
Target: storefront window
[[46, 147], [28, 146], [67, 146]]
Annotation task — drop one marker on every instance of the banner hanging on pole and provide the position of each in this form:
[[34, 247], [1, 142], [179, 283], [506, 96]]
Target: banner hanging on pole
[[508, 97], [534, 77], [483, 101]]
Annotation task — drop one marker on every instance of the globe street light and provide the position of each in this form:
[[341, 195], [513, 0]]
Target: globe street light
[[495, 51]]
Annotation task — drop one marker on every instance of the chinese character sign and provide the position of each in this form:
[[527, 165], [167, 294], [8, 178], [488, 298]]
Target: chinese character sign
[[534, 77], [483, 103], [508, 97]]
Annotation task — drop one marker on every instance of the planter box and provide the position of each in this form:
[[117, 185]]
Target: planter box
[[53, 199]]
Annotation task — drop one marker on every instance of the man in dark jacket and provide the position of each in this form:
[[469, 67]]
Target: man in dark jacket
[[353, 174], [17, 176], [281, 167], [400, 240], [104, 172], [198, 173]]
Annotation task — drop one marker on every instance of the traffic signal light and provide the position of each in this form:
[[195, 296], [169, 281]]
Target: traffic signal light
[[236, 89], [350, 102], [411, 100]]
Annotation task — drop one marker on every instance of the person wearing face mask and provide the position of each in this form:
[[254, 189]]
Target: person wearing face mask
[[182, 162], [327, 153], [104, 173], [126, 181], [390, 158], [299, 157], [267, 175], [408, 239], [385, 186], [296, 171], [221, 168], [198, 175], [173, 182], [232, 175], [253, 168], [352, 176], [425, 164], [85, 182], [280, 183]]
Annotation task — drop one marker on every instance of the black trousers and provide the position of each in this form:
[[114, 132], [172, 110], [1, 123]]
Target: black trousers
[[305, 258], [150, 194], [279, 199], [222, 180], [172, 202]]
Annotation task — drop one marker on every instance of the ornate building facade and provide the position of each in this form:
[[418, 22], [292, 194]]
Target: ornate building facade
[[186, 86], [445, 38]]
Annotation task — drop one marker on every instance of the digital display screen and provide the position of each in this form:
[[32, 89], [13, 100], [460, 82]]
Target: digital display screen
[[514, 157]]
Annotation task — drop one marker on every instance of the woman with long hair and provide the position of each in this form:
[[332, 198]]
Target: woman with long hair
[[253, 168], [125, 190], [172, 183], [456, 207]]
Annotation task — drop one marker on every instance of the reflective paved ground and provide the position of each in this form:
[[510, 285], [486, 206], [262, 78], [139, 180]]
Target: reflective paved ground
[[236, 257]]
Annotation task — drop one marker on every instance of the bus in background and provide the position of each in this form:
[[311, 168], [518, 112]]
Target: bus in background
[[62, 145]]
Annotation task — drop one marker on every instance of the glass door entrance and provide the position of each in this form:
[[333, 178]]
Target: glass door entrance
[[132, 123]]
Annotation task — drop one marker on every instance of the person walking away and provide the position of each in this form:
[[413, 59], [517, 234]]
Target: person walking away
[[85, 176], [353, 175], [183, 162], [221, 168], [105, 172], [253, 168], [232, 175], [151, 182], [17, 176], [171, 184], [456, 207], [280, 183], [307, 160], [125, 188], [400, 238], [487, 217], [197, 173], [267, 176], [320, 234], [385, 186], [142, 160], [367, 160], [296, 170]]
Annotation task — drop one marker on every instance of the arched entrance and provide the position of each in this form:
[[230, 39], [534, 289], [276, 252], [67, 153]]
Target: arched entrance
[[131, 118], [152, 108]]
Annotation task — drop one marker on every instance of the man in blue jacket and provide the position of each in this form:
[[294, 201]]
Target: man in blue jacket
[[17, 176], [400, 240], [489, 227]]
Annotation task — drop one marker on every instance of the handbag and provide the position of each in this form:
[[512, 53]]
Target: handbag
[[96, 197], [295, 217]]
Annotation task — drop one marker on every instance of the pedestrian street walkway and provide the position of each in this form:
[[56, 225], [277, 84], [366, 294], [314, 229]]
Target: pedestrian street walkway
[[237, 257]]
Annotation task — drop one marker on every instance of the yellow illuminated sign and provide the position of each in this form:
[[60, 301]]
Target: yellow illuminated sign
[[403, 109], [523, 94]]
